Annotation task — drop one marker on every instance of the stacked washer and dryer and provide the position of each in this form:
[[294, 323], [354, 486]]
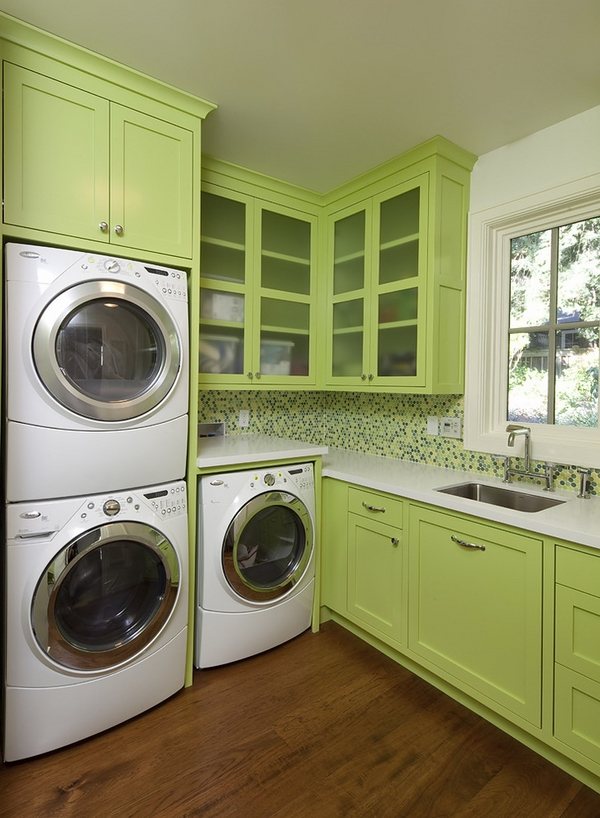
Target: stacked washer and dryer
[[96, 520]]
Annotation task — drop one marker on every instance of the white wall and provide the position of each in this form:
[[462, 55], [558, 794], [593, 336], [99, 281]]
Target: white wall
[[562, 153]]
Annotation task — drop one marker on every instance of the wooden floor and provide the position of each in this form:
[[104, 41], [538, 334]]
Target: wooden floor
[[323, 726]]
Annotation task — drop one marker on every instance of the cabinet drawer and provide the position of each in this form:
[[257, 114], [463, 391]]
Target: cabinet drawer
[[381, 507], [577, 712], [578, 570], [578, 631]]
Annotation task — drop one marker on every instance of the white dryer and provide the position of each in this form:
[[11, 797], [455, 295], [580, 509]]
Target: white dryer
[[97, 373], [256, 561], [96, 613]]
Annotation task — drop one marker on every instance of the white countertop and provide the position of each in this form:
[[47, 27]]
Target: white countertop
[[576, 520], [233, 450]]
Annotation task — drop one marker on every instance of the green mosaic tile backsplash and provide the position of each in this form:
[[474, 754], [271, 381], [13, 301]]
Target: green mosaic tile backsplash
[[378, 423]]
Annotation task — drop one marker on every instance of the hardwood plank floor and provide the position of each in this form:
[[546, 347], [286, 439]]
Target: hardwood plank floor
[[323, 726]]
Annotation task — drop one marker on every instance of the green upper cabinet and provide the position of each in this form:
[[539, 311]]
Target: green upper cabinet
[[395, 266], [257, 291], [79, 165]]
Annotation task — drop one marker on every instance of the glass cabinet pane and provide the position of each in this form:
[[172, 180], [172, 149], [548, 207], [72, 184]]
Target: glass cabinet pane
[[284, 337], [399, 237], [223, 238], [349, 253], [285, 256], [222, 351], [348, 338], [400, 305], [397, 352]]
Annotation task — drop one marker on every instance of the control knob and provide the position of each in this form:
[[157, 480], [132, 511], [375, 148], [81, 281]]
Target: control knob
[[111, 507], [269, 479]]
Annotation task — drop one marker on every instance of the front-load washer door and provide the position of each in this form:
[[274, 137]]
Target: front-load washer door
[[107, 350], [106, 596], [267, 547]]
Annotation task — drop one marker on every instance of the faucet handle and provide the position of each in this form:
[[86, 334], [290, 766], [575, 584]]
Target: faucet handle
[[584, 483], [549, 469]]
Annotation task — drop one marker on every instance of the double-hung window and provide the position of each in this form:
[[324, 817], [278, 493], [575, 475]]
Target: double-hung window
[[533, 329]]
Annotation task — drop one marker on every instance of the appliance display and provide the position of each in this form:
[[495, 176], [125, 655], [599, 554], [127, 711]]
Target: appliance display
[[97, 363], [255, 565], [96, 613]]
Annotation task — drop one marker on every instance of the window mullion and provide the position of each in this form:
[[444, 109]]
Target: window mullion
[[552, 326]]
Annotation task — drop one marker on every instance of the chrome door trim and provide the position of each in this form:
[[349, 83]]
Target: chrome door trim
[[238, 582], [45, 627], [63, 390]]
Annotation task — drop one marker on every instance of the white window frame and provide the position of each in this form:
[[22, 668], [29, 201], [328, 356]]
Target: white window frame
[[488, 295]]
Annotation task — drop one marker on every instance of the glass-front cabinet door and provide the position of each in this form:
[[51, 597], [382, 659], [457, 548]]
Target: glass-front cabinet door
[[397, 310], [348, 297], [225, 306], [284, 296], [257, 292], [376, 303]]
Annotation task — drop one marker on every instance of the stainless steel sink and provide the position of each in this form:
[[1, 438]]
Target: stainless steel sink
[[496, 496]]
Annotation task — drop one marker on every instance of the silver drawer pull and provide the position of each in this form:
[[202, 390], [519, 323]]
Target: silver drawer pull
[[373, 508], [35, 535], [395, 541], [465, 544]]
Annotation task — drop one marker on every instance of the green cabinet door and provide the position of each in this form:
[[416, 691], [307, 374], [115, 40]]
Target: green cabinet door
[[56, 156], [258, 292], [476, 608], [375, 588], [151, 183]]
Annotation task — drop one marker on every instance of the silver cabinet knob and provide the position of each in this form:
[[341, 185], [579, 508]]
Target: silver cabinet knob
[[119, 229], [395, 541], [363, 377], [257, 375], [371, 377], [103, 227], [250, 375]]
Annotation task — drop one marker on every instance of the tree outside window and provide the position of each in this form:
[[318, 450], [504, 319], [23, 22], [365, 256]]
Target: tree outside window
[[554, 326]]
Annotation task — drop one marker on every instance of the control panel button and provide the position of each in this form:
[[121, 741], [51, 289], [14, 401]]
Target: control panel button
[[111, 507]]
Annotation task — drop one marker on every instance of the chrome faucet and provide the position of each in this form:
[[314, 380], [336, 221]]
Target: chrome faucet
[[514, 430]]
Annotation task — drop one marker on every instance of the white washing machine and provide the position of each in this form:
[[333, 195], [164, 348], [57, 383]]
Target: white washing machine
[[256, 563], [97, 373], [96, 613]]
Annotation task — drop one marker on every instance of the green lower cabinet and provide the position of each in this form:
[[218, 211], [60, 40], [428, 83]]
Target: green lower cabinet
[[577, 652], [375, 553], [577, 713], [476, 609]]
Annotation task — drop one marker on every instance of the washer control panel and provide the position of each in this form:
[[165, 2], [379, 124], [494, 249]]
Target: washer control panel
[[169, 283]]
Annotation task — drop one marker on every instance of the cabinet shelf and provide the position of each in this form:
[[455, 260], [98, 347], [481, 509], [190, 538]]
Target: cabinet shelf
[[219, 322], [305, 262], [229, 245], [359, 254], [283, 330], [348, 330], [396, 324], [391, 245]]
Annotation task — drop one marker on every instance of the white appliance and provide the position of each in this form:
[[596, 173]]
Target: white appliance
[[97, 373], [96, 613], [256, 563]]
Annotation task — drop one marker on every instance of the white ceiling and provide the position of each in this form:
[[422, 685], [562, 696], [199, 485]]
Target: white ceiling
[[317, 91]]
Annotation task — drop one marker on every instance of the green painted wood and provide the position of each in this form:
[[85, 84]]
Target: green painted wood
[[577, 715], [476, 615], [578, 569], [578, 631], [376, 506], [259, 292], [334, 545], [375, 577], [56, 156], [151, 183]]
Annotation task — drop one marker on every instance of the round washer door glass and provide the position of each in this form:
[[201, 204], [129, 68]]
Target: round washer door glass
[[106, 596], [107, 350], [267, 546]]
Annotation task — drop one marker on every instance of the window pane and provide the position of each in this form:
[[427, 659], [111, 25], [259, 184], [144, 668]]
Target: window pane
[[528, 377], [530, 259], [579, 272], [577, 377]]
